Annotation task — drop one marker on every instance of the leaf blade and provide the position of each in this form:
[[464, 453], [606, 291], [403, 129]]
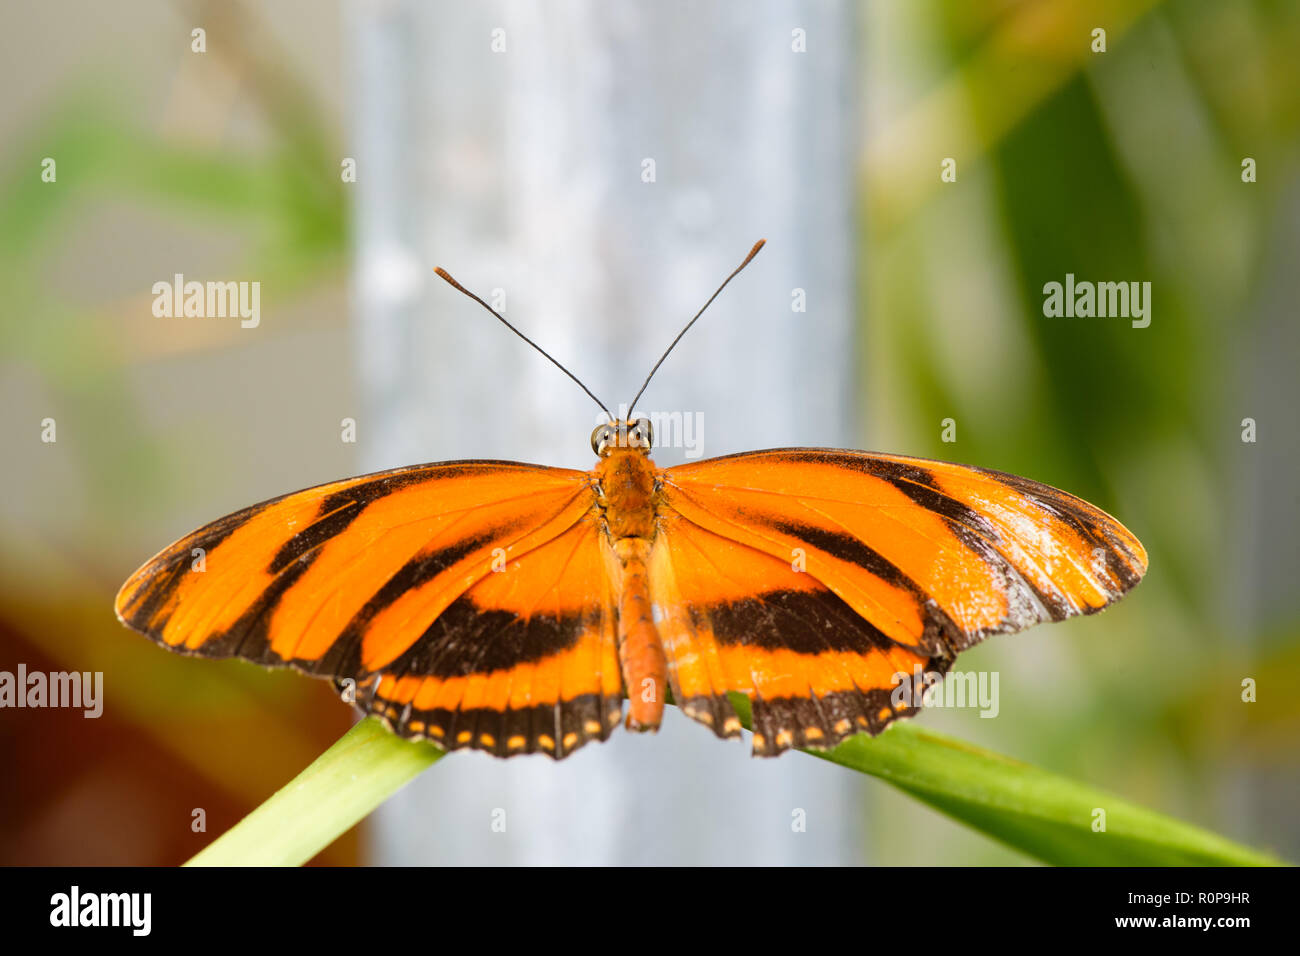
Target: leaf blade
[[365, 767]]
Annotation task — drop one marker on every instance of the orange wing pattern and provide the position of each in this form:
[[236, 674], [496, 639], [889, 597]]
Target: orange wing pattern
[[523, 662], [806, 578], [388, 580]]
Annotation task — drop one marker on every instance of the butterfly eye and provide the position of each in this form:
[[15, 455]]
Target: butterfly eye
[[600, 439], [643, 433]]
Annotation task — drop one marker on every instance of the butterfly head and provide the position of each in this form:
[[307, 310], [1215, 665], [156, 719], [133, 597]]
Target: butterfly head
[[636, 433]]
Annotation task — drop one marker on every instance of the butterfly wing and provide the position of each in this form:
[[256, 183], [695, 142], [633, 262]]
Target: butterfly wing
[[525, 661], [374, 578], [808, 578]]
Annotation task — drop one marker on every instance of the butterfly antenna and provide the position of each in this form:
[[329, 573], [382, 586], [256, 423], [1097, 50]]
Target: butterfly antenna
[[443, 274], [752, 252]]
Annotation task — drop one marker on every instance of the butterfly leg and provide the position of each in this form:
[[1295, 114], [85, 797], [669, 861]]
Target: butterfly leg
[[640, 651]]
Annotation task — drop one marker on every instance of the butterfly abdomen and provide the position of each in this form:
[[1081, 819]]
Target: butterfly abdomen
[[645, 665]]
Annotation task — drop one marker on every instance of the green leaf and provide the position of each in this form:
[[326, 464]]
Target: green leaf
[[1043, 815], [363, 769], [1046, 816]]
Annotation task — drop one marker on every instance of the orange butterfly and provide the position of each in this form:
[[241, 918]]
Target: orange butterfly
[[511, 608]]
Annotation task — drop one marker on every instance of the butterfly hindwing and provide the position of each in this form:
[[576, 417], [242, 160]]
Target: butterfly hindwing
[[733, 618], [902, 561], [525, 661]]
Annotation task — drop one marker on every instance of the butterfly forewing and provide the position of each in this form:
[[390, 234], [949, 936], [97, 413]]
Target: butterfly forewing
[[343, 578]]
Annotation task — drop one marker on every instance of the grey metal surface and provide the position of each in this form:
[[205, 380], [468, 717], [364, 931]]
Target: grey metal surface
[[522, 171]]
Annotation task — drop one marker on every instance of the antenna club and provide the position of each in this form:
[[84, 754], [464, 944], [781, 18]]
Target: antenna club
[[446, 276]]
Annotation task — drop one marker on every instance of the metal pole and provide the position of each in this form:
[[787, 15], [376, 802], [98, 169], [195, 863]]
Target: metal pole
[[600, 167]]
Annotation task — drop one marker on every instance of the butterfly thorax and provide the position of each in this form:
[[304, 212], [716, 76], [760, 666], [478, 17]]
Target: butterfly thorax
[[626, 493]]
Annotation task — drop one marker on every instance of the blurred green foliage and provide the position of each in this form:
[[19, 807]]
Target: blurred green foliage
[[88, 504], [1127, 167]]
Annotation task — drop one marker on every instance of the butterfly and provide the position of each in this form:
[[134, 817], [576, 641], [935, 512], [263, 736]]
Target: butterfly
[[514, 608]]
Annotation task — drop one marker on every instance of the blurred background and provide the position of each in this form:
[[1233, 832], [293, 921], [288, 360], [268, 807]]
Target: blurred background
[[511, 148]]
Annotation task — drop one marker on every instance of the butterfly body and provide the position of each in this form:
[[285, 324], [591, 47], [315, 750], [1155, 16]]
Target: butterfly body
[[627, 487]]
